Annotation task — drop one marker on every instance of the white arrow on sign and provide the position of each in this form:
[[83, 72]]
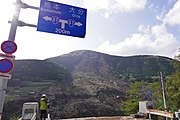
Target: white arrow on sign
[[63, 22], [56, 19], [47, 18], [78, 24]]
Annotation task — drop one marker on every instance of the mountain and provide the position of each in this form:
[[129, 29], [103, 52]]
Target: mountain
[[142, 67], [82, 83]]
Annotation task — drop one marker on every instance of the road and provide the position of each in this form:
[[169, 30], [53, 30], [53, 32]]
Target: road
[[107, 118]]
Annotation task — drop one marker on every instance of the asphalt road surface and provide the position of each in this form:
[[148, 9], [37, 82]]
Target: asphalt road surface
[[107, 118]]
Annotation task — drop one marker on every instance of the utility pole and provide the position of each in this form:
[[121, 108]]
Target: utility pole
[[14, 23], [163, 92]]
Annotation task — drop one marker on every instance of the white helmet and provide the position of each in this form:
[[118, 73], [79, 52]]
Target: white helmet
[[43, 95]]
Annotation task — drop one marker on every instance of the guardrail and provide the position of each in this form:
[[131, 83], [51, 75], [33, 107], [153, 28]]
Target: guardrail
[[160, 113], [146, 108]]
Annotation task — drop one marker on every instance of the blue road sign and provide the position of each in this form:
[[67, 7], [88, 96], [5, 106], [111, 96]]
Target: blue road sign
[[8, 47], [6, 65], [62, 19]]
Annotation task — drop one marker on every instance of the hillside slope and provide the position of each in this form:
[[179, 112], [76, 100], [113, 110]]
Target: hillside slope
[[81, 83], [124, 68]]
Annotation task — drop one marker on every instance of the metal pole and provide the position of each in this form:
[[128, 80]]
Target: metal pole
[[163, 92], [3, 84], [149, 116], [14, 23], [12, 34]]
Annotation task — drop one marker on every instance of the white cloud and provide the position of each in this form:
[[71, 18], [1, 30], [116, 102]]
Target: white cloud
[[155, 41], [114, 6], [173, 16]]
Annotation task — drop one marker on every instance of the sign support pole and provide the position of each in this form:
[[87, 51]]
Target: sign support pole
[[3, 85], [14, 23], [12, 34]]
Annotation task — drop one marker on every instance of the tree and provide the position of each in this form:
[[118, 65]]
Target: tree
[[176, 62], [131, 104], [156, 97], [141, 91], [173, 91], [173, 87]]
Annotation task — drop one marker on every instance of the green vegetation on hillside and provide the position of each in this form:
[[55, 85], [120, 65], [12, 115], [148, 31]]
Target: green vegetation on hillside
[[142, 91], [176, 62], [36, 70], [173, 91], [139, 68], [173, 87]]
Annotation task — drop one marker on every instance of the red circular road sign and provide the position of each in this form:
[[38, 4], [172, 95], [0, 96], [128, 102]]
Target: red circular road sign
[[6, 65], [8, 47]]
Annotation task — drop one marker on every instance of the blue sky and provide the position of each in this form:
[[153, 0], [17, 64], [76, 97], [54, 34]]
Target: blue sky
[[115, 27]]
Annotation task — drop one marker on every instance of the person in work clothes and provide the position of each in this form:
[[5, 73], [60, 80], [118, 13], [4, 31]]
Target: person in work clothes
[[44, 103]]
